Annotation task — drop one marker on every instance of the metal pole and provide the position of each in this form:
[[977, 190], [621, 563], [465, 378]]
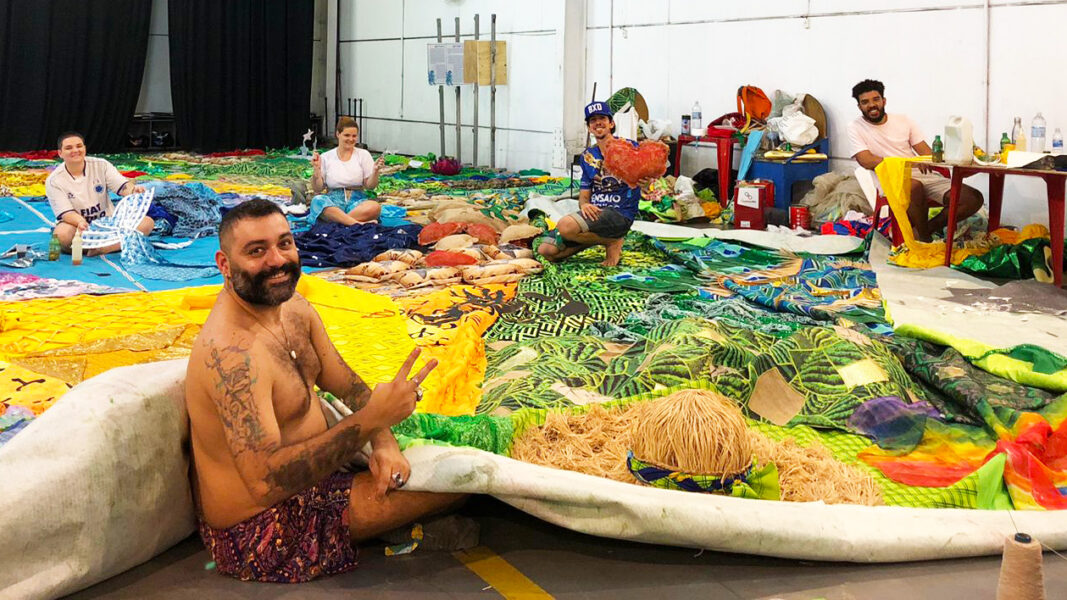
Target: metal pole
[[492, 94], [337, 67], [459, 110], [474, 161], [441, 97]]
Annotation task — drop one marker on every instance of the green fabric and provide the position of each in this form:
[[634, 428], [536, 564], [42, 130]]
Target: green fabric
[[568, 296], [960, 391], [1024, 260], [1044, 361], [578, 369], [660, 308], [485, 432], [997, 363]]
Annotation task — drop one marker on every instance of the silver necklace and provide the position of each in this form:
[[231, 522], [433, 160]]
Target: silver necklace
[[281, 322]]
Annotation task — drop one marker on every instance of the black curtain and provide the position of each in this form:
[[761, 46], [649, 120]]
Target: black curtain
[[240, 72], [70, 64]]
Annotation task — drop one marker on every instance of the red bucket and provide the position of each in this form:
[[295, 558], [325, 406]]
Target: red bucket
[[799, 217]]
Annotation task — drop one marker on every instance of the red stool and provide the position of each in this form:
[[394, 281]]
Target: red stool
[[724, 146]]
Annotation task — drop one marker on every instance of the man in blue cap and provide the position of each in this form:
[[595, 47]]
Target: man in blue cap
[[607, 205]]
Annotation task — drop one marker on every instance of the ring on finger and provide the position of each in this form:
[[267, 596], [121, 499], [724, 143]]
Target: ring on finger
[[418, 394], [398, 479]]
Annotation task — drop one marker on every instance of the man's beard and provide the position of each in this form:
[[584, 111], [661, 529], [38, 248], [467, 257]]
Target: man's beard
[[254, 289], [875, 120]]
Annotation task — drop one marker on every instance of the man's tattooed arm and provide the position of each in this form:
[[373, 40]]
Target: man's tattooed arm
[[336, 376], [271, 471]]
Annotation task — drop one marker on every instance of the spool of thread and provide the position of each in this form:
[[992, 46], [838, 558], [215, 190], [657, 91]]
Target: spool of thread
[[1020, 570]]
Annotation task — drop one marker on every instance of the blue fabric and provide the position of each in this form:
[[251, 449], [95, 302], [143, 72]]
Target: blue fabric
[[749, 152], [165, 221], [140, 258], [336, 245], [195, 207], [608, 191], [335, 198]]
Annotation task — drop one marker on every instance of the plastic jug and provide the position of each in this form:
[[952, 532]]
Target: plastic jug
[[959, 141]]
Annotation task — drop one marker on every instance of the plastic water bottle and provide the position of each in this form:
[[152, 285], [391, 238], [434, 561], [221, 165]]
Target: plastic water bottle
[[1037, 134], [695, 123], [1057, 142]]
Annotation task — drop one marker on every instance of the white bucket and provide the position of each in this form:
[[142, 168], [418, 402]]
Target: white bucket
[[959, 141]]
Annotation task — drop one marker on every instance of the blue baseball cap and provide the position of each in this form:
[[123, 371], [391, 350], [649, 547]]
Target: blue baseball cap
[[597, 108]]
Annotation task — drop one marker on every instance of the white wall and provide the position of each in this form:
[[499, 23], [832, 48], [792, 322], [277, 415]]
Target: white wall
[[383, 61], [931, 55], [155, 84]]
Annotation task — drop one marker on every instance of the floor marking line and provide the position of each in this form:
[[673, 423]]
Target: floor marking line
[[508, 581]]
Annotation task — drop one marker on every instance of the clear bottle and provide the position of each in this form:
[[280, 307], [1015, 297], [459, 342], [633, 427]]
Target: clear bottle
[[1057, 142], [1037, 134], [695, 122], [76, 249], [1020, 141], [1016, 129]]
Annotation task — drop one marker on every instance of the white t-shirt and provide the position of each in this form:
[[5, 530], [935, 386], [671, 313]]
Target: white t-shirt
[[895, 137], [346, 174], [87, 194]]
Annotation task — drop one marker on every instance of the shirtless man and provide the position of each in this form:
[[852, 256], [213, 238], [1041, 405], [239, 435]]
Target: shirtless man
[[273, 503]]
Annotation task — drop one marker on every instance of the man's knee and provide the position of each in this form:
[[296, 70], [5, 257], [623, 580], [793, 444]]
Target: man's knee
[[918, 194], [547, 250], [65, 233], [568, 226], [971, 198]]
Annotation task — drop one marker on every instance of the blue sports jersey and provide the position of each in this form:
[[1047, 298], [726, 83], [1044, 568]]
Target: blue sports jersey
[[607, 190]]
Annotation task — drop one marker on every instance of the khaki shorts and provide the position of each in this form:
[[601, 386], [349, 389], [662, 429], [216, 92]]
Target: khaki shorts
[[935, 186]]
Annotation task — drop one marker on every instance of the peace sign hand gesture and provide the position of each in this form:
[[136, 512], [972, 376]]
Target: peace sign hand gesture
[[393, 401]]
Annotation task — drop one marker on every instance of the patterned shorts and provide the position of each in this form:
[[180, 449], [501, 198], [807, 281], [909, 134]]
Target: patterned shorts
[[293, 541]]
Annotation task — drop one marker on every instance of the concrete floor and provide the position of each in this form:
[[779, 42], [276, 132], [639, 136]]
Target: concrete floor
[[572, 565]]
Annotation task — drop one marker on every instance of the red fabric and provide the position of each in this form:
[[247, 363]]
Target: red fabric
[[32, 155], [446, 258], [132, 174], [631, 164], [249, 152], [484, 233], [432, 233], [446, 166]]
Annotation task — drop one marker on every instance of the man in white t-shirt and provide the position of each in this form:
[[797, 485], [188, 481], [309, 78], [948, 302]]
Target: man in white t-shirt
[[78, 191], [877, 134]]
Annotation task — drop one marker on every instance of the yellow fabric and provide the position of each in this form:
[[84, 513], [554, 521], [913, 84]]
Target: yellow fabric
[[178, 177], [223, 187], [22, 387], [75, 338], [894, 173], [449, 325], [24, 183]]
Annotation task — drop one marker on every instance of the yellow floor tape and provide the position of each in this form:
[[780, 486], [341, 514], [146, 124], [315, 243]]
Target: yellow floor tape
[[508, 581]]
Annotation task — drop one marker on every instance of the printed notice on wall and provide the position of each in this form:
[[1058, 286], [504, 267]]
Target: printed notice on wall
[[444, 64]]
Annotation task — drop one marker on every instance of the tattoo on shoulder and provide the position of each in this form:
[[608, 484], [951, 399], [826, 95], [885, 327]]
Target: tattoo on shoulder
[[231, 369]]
